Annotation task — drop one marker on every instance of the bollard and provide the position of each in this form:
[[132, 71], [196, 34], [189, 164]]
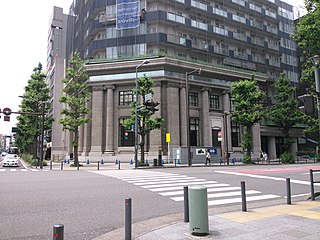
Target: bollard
[[119, 165], [198, 210], [127, 225], [178, 161], [65, 160], [61, 165], [147, 162], [78, 165], [68, 161], [288, 191], [102, 162], [243, 195], [58, 232], [311, 185], [50, 165], [88, 161], [186, 204], [131, 162], [98, 165], [116, 161], [175, 162]]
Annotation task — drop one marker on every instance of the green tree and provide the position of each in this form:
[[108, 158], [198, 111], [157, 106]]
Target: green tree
[[145, 122], [76, 96], [307, 35], [247, 105], [285, 113], [35, 97]]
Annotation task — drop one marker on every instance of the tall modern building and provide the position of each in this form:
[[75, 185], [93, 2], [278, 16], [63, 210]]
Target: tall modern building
[[59, 48], [228, 39]]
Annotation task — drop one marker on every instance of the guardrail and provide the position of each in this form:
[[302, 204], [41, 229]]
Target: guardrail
[[312, 182]]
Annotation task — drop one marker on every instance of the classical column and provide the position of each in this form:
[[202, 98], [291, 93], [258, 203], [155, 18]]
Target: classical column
[[206, 128], [294, 146], [97, 116], [110, 119], [226, 129], [87, 131], [155, 135], [183, 120], [272, 148], [256, 141], [173, 117]]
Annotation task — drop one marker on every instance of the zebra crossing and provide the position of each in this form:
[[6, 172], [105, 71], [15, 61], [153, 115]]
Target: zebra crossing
[[171, 185], [2, 170]]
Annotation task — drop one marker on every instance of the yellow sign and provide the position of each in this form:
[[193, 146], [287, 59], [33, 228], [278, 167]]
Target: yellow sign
[[167, 137]]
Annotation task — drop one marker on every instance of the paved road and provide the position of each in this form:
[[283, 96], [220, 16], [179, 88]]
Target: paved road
[[91, 203]]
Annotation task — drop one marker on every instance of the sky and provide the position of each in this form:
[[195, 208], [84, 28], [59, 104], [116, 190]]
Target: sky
[[23, 44]]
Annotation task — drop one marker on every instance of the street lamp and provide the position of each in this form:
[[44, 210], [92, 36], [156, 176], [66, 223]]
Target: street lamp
[[136, 139], [316, 61], [198, 70], [42, 134]]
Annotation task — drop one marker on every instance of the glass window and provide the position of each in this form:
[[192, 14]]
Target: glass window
[[193, 99], [126, 137], [126, 97], [214, 102], [194, 132], [235, 134]]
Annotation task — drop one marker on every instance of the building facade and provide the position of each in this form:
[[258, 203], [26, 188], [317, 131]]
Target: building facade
[[59, 49], [228, 39]]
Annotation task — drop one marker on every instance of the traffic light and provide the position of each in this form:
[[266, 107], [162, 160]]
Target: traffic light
[[126, 135], [307, 103], [151, 106]]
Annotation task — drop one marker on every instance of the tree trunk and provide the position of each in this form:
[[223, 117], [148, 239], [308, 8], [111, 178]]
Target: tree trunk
[[75, 147]]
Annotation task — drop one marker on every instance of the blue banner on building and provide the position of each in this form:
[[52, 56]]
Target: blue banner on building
[[127, 14]]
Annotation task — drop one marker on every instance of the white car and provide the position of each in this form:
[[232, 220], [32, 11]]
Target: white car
[[3, 154], [10, 160]]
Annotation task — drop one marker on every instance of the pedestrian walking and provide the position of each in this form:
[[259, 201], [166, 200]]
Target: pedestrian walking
[[208, 156]]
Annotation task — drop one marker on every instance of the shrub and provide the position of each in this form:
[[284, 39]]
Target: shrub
[[246, 159], [287, 157]]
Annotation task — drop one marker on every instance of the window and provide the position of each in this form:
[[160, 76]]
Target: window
[[235, 134], [193, 99], [126, 97], [126, 137], [194, 131], [214, 102]]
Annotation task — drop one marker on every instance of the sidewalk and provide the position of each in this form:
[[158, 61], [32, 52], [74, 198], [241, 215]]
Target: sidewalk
[[299, 220]]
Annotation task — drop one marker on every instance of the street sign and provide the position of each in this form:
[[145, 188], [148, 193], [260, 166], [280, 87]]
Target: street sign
[[167, 137], [6, 111], [213, 151], [148, 97], [220, 136]]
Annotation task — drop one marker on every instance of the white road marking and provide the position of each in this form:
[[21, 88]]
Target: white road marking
[[160, 180], [173, 193], [181, 187], [217, 195], [238, 200], [171, 185], [268, 177]]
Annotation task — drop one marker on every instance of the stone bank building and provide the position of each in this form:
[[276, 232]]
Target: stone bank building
[[228, 39]]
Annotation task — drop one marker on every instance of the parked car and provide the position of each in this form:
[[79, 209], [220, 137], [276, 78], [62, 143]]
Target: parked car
[[10, 160], [3, 154]]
